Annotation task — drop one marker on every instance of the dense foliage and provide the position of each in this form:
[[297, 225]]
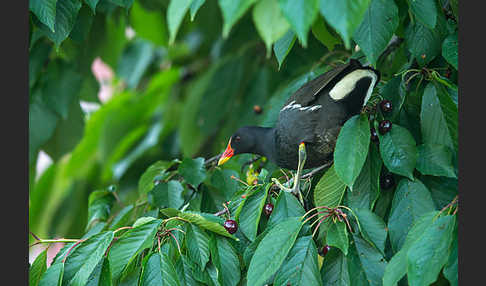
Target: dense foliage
[[134, 185]]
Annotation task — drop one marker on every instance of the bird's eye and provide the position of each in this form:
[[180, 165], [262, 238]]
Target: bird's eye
[[237, 138]]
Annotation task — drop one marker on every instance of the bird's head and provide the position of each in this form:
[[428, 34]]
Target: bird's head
[[242, 141]]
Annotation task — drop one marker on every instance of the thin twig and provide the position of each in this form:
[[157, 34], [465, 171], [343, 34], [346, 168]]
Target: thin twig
[[211, 160], [316, 170], [221, 212]]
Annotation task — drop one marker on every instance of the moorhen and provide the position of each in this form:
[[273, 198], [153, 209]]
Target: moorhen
[[309, 121]]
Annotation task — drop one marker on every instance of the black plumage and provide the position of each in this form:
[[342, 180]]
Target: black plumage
[[314, 114]]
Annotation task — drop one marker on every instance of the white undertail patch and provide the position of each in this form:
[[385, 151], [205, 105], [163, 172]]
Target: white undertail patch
[[347, 84]]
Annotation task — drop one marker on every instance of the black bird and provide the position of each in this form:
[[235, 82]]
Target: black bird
[[313, 115]]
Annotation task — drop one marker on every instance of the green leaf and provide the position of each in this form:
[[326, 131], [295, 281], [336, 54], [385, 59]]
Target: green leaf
[[53, 275], [159, 270], [352, 148], [442, 189], [272, 251], [355, 268], [184, 270], [45, 10], [301, 266], [99, 206], [429, 253], [175, 13], [232, 11], [195, 5], [397, 266], [61, 88], [225, 258], [372, 261], [450, 112], [251, 248], [251, 212], [206, 221], [67, 134], [269, 22], [83, 260], [425, 11], [37, 59], [155, 171], [193, 170], [322, 33], [42, 123], [423, 43], [329, 190], [366, 188], [122, 218], [337, 235], [286, 206], [167, 195], [376, 30], [301, 15], [130, 244], [149, 25], [344, 16], [435, 160], [411, 200], [101, 275], [92, 4], [123, 3], [221, 180], [283, 46], [334, 271], [197, 242], [373, 228], [143, 220], [398, 151], [134, 61], [38, 268], [66, 13], [82, 27], [450, 50], [433, 123], [450, 269], [394, 91]]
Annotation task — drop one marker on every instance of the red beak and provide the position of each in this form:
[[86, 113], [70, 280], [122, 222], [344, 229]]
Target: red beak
[[228, 153]]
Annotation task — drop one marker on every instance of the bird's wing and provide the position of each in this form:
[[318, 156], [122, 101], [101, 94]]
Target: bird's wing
[[308, 93]]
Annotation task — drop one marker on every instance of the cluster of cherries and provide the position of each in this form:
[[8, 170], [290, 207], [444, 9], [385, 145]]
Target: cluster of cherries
[[385, 125]]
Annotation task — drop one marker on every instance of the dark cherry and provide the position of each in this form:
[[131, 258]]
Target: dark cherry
[[231, 226], [268, 208], [325, 250], [387, 181], [386, 106], [384, 126], [374, 135]]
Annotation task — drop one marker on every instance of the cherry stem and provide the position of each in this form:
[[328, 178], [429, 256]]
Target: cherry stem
[[122, 228], [71, 248], [177, 242], [316, 208], [239, 180], [324, 217], [318, 225], [318, 213]]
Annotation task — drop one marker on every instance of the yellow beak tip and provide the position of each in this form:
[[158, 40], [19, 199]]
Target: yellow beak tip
[[222, 160]]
